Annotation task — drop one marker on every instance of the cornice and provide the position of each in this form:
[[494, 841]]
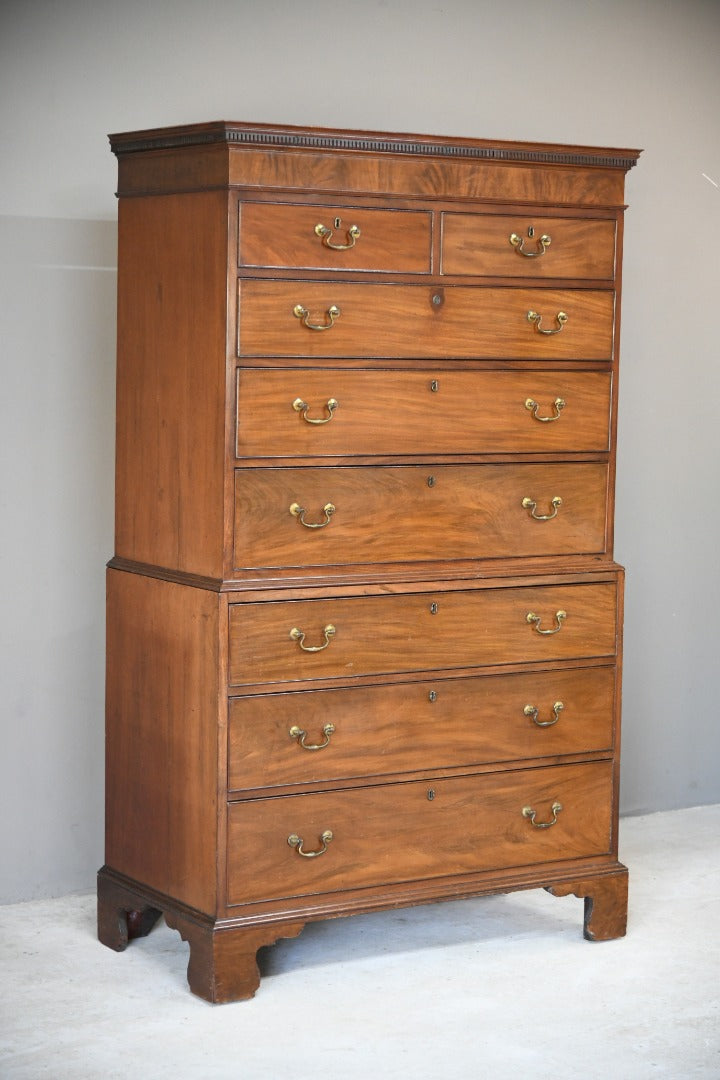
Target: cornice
[[321, 139]]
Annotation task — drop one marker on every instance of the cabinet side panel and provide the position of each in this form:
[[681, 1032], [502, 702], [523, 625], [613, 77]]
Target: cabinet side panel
[[172, 268], [162, 736]]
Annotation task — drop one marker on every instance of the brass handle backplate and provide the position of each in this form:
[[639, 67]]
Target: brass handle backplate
[[296, 842], [302, 407], [297, 635], [561, 318], [530, 814], [533, 406], [532, 711], [325, 234], [302, 313], [534, 620], [531, 505], [299, 512], [518, 242]]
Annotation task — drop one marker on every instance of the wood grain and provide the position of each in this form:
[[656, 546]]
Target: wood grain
[[172, 267], [410, 412], [377, 635], [404, 321], [162, 736], [405, 726], [396, 833], [479, 244], [417, 513], [283, 235]]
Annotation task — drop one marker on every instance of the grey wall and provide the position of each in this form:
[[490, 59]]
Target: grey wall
[[638, 73]]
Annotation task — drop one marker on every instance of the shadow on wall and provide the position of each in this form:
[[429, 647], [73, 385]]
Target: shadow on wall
[[58, 290]]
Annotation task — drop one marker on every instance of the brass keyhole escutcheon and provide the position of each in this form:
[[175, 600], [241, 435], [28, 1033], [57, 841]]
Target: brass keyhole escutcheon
[[434, 386], [431, 794], [433, 608], [432, 696]]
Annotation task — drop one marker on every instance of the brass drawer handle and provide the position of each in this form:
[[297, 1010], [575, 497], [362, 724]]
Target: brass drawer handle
[[533, 317], [298, 733], [543, 244], [296, 842], [533, 406], [299, 512], [298, 635], [302, 407], [534, 619], [529, 504], [325, 234], [529, 813], [532, 711], [302, 313]]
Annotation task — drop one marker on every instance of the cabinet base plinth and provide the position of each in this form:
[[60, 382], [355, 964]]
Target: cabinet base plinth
[[223, 958]]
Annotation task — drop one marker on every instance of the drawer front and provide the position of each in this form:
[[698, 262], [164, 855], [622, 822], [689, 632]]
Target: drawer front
[[387, 412], [420, 632], [383, 514], [273, 739], [283, 235], [465, 322], [480, 244], [396, 833]]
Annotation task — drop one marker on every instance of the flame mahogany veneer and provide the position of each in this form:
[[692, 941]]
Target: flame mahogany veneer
[[364, 622]]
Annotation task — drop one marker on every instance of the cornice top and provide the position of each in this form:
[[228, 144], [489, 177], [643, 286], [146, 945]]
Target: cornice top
[[374, 142]]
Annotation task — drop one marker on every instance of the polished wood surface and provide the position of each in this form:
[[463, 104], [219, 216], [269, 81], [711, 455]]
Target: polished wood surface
[[170, 380], [378, 676], [419, 830], [406, 513], [163, 736], [457, 321], [479, 244], [283, 235], [427, 724], [385, 634], [382, 413]]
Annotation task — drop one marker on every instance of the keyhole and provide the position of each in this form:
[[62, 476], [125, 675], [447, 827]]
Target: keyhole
[[433, 609], [431, 794], [434, 386], [431, 481], [432, 696], [531, 231], [338, 222]]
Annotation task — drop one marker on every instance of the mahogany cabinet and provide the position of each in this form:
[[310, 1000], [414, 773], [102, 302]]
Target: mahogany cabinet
[[364, 622]]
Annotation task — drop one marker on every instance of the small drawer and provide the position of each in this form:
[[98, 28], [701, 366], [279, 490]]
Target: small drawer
[[331, 412], [384, 514], [335, 238], [325, 735], [324, 319], [492, 245], [411, 831], [295, 641]]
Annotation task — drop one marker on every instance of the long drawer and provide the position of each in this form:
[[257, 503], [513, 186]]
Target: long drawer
[[270, 641], [335, 237], [498, 245], [335, 319], [326, 412], [419, 830], [381, 514], [365, 731]]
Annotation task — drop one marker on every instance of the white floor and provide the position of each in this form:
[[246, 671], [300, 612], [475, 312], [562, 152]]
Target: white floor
[[500, 987]]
